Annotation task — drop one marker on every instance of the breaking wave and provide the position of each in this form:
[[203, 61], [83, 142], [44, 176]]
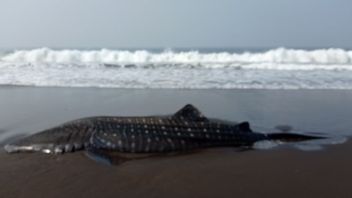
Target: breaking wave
[[280, 55], [273, 69]]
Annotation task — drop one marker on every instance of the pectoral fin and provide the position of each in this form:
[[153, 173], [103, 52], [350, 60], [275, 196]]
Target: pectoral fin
[[113, 157]]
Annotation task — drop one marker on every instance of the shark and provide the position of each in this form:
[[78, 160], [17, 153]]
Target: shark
[[119, 139]]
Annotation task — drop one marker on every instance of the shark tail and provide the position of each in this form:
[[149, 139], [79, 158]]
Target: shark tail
[[291, 137]]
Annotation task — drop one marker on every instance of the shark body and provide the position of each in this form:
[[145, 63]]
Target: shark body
[[186, 130]]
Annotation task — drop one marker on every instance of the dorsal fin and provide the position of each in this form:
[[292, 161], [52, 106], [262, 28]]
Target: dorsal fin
[[244, 126], [189, 112]]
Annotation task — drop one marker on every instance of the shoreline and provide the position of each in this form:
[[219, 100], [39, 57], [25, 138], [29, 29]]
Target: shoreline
[[181, 89]]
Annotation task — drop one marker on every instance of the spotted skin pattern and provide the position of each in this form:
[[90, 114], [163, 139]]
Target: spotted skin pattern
[[186, 130], [167, 134]]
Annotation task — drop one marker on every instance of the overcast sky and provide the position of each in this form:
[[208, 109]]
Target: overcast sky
[[175, 23]]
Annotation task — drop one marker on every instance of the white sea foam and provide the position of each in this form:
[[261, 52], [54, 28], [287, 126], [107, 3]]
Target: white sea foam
[[320, 143], [280, 55], [312, 145], [265, 145], [274, 69]]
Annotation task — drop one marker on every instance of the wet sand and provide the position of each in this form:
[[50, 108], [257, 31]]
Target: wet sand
[[279, 172], [214, 173]]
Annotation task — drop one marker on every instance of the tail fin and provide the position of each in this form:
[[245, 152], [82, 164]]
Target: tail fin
[[291, 137]]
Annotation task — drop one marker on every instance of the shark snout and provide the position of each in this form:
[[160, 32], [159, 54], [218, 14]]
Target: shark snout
[[45, 148], [13, 148]]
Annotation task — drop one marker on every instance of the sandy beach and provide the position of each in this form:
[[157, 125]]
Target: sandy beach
[[280, 172], [175, 99]]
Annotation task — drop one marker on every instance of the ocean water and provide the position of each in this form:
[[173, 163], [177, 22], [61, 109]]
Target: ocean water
[[279, 68]]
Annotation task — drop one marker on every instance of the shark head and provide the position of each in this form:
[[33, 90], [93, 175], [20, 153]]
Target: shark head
[[65, 138]]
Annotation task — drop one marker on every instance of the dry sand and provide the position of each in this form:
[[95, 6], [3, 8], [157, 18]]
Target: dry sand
[[282, 172]]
